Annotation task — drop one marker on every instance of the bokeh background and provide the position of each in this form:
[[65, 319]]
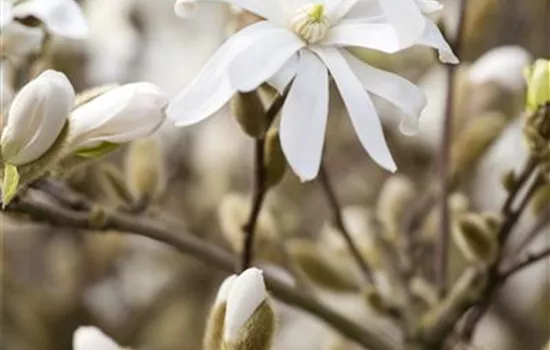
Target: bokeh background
[[148, 296]]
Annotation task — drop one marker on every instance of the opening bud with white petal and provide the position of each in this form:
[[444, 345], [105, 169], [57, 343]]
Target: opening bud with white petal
[[249, 319], [91, 338], [215, 324], [122, 115]]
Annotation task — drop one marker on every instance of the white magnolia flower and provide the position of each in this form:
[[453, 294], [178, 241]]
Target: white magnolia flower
[[36, 117], [60, 17], [244, 294], [91, 338], [121, 115], [303, 41]]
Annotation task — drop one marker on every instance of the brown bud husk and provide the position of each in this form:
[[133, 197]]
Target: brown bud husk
[[213, 334], [249, 111], [114, 185], [145, 169], [537, 132], [509, 180], [476, 239], [314, 264], [274, 159], [257, 333]]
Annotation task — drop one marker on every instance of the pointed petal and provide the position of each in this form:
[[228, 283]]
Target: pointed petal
[[376, 36], [260, 61], [429, 6], [391, 87], [407, 19], [6, 14], [91, 338], [360, 108], [304, 117], [211, 89], [61, 17], [285, 75], [338, 9], [432, 37]]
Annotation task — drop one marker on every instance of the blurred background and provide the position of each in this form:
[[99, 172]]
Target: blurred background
[[148, 296]]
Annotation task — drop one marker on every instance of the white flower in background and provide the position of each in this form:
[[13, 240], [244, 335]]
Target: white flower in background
[[121, 115], [91, 338], [36, 117], [60, 17], [19, 41], [305, 41]]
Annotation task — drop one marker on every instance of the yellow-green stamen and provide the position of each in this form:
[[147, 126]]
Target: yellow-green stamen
[[317, 13]]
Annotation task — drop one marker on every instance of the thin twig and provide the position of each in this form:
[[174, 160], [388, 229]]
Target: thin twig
[[542, 221], [529, 260], [207, 253], [260, 188], [444, 161], [336, 209]]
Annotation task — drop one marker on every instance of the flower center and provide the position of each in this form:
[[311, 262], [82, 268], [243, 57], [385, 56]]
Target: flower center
[[310, 23]]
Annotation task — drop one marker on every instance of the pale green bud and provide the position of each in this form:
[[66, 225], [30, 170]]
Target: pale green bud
[[144, 170], [248, 110], [213, 335], [274, 159], [538, 84], [476, 239]]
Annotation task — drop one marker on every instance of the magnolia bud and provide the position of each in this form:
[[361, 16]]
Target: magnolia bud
[[145, 173], [91, 338], [538, 84], [475, 239], [396, 196], [249, 112], [121, 115], [185, 8], [36, 118], [214, 326], [114, 185], [509, 180], [249, 319], [274, 159]]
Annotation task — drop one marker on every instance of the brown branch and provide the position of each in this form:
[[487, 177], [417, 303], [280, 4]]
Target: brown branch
[[206, 253], [542, 221], [444, 159], [525, 262], [336, 209]]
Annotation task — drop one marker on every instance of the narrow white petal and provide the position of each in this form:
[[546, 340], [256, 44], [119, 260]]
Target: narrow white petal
[[225, 288], [304, 117], [432, 37], [407, 19], [365, 11], [211, 89], [6, 14], [268, 9], [91, 338], [360, 108], [260, 61], [246, 295], [337, 9], [61, 17], [429, 6], [376, 36], [285, 75], [391, 87]]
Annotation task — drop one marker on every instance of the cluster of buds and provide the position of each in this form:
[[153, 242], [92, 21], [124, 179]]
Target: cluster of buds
[[241, 317], [537, 124], [43, 129]]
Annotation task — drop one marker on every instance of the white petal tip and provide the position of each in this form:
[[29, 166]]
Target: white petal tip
[[186, 8], [88, 338], [225, 287]]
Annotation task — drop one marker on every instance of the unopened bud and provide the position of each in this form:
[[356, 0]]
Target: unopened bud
[[274, 159], [249, 111], [114, 185], [374, 300], [541, 200], [509, 180], [215, 324], [393, 202], [538, 84], [91, 338], [90, 94], [145, 173], [475, 239]]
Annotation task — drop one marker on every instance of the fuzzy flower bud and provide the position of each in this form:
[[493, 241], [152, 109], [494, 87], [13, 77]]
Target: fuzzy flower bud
[[36, 117], [249, 112], [249, 319], [145, 172], [91, 338], [121, 115], [538, 84], [215, 324]]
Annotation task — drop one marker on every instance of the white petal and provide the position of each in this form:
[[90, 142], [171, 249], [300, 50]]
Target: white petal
[[285, 75], [407, 19], [429, 6], [268, 9], [304, 117], [61, 17], [36, 116], [376, 36], [186, 8], [260, 61], [225, 288], [91, 338], [246, 295], [121, 115], [391, 87], [337, 9], [365, 11], [432, 37], [360, 108], [211, 89], [6, 14]]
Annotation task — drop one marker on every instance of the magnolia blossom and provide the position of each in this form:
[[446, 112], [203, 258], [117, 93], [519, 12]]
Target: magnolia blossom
[[36, 117], [60, 17], [244, 294], [302, 42], [121, 115], [91, 338]]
